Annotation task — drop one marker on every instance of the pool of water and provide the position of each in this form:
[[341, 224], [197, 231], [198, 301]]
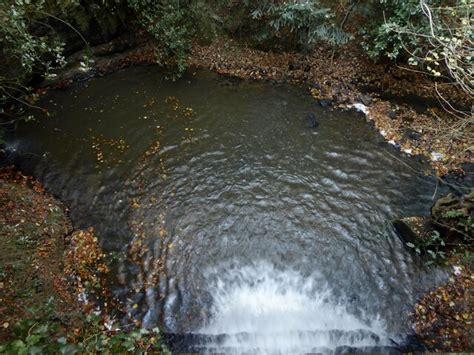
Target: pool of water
[[241, 227]]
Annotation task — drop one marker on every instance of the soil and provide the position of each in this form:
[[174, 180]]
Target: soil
[[42, 260]]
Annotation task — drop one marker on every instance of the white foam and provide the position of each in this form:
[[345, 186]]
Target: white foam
[[361, 108], [259, 307]]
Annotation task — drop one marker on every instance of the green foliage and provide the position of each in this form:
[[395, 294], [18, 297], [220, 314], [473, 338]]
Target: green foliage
[[467, 225], [435, 36], [453, 214], [456, 237], [304, 23], [41, 335], [432, 246], [170, 24], [382, 37], [21, 35], [30, 45], [467, 258]]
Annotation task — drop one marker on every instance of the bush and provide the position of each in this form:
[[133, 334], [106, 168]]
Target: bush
[[30, 45], [300, 23], [169, 23], [381, 40]]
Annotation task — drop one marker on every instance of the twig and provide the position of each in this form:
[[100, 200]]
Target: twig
[[67, 24], [436, 190], [401, 161], [454, 186], [19, 100], [341, 26]]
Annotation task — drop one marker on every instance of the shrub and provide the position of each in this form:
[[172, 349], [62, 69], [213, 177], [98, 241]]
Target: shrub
[[169, 23], [300, 23], [381, 40], [29, 44]]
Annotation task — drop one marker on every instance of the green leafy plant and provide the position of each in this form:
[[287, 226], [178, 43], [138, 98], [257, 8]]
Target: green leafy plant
[[170, 24], [30, 46], [382, 36], [304, 23], [453, 214], [39, 334], [432, 246]]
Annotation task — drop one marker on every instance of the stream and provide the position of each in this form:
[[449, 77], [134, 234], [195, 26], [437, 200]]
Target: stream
[[239, 227]]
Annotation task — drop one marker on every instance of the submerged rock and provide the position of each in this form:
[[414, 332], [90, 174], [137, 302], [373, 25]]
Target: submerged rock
[[412, 229], [325, 102], [311, 120]]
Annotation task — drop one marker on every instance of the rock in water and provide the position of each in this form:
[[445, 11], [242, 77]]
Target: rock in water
[[325, 102], [312, 120], [413, 229]]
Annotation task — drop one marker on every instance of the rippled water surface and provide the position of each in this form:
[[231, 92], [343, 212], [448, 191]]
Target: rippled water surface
[[242, 226]]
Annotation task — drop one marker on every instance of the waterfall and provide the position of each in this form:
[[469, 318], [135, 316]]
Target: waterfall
[[260, 309]]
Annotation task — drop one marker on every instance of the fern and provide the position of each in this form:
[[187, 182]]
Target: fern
[[331, 34], [307, 21]]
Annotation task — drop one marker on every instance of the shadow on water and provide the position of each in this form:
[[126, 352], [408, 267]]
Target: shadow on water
[[240, 228]]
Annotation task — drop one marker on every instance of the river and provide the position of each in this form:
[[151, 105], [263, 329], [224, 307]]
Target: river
[[238, 226]]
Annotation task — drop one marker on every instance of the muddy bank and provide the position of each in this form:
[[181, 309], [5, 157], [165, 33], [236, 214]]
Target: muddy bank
[[33, 229]]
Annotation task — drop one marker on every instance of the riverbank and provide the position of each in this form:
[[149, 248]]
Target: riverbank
[[53, 292], [342, 81], [443, 318]]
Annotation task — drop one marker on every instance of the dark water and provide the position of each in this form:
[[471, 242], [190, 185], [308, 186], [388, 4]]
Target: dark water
[[239, 222]]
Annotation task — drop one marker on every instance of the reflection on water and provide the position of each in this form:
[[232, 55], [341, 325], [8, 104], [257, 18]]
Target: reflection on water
[[236, 217]]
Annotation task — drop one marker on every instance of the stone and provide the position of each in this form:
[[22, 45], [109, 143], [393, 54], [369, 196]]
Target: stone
[[463, 204], [293, 66], [412, 134], [392, 114], [366, 99], [451, 211], [325, 102], [312, 120], [411, 229]]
